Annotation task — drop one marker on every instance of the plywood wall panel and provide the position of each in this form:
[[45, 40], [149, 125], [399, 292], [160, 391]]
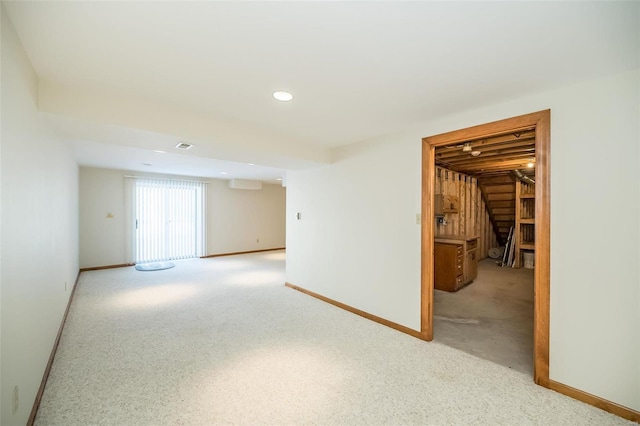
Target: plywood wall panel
[[472, 217]]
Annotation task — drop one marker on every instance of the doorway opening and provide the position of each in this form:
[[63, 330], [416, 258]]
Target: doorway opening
[[490, 158]]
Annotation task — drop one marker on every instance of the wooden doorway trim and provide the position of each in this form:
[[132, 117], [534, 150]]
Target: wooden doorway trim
[[541, 120]]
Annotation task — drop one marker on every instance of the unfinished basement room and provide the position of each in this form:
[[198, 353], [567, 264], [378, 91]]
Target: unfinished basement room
[[484, 246]]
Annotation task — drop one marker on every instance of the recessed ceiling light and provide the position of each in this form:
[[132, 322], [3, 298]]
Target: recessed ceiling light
[[530, 165], [159, 151], [223, 173], [146, 164], [279, 179], [283, 96], [251, 164]]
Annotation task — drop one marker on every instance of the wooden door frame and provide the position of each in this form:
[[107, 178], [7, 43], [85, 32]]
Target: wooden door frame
[[541, 120]]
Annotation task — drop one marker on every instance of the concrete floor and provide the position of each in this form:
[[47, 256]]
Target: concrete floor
[[491, 318]]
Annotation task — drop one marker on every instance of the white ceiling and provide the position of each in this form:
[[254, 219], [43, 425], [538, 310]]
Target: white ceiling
[[357, 69]]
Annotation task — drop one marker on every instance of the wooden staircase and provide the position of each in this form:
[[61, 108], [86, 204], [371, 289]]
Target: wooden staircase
[[499, 194]]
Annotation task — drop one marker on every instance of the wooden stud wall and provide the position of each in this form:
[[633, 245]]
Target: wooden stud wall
[[472, 217]]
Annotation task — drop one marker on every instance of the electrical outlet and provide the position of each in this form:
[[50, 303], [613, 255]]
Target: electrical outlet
[[418, 219], [257, 240], [15, 400]]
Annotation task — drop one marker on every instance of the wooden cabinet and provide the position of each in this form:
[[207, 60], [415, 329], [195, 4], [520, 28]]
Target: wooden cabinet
[[455, 262], [448, 263]]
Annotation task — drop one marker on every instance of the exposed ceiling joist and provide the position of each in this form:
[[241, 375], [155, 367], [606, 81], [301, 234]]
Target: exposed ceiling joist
[[490, 157]]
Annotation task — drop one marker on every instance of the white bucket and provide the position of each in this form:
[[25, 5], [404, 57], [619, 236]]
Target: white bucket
[[528, 259]]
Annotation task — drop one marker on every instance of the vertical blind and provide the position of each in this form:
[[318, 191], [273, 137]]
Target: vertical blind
[[169, 219]]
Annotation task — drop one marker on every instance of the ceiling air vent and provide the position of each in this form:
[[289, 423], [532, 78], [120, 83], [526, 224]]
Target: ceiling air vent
[[183, 145]]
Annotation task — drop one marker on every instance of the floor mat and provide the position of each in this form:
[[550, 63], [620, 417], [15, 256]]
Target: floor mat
[[154, 266]]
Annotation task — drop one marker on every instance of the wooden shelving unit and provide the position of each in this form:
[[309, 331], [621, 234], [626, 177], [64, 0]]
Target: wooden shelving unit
[[525, 220]]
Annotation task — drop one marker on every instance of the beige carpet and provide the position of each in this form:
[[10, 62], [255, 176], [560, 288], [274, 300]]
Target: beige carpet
[[222, 341]]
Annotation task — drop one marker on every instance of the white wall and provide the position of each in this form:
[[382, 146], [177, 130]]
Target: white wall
[[595, 318], [358, 242], [1, 73], [39, 232], [235, 218], [102, 238]]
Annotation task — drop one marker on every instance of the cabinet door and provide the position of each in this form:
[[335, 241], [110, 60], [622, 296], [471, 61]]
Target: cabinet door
[[472, 265], [445, 266]]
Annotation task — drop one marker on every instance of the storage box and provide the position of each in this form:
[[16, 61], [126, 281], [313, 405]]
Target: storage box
[[445, 204], [528, 260]]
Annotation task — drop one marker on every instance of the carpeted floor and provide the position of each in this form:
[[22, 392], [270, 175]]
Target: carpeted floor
[[222, 341]]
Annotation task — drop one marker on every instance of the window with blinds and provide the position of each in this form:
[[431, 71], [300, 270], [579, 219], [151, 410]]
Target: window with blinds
[[169, 219]]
